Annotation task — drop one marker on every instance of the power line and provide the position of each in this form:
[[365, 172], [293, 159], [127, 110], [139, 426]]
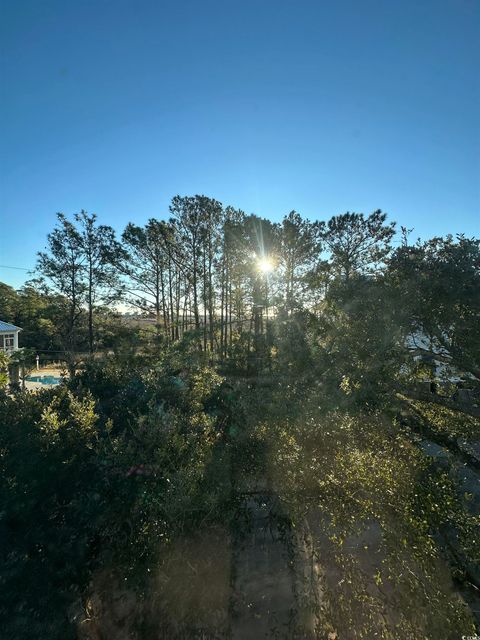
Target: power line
[[5, 266]]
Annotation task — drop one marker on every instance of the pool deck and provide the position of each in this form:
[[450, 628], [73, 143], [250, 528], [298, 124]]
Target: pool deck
[[34, 386]]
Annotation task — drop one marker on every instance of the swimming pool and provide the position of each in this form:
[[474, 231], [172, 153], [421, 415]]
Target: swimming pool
[[44, 379]]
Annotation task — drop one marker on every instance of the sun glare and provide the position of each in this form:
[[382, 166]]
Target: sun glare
[[265, 265]]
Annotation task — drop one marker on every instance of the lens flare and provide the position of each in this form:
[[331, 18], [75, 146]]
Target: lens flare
[[265, 265]]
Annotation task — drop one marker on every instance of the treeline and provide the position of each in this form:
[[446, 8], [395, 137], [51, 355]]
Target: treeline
[[43, 314], [229, 278]]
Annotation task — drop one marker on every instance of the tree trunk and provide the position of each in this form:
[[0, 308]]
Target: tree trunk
[[195, 292], [166, 327], [222, 296], [231, 314], [204, 302], [210, 293], [170, 295], [90, 308]]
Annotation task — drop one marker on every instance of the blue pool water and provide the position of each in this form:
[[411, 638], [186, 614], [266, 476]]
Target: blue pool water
[[44, 379]]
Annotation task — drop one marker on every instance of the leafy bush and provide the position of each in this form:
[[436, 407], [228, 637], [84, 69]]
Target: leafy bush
[[105, 473]]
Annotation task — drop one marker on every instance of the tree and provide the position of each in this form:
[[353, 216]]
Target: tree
[[299, 253], [64, 265], [101, 253], [438, 286], [229, 267], [357, 244], [143, 265], [40, 313], [360, 340], [196, 219], [8, 302], [211, 241]]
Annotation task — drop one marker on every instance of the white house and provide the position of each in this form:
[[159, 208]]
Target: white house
[[8, 337]]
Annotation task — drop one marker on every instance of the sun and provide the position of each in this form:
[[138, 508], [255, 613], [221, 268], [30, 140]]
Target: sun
[[265, 265]]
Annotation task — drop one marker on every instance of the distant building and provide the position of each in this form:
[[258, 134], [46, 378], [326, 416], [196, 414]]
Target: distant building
[[8, 337]]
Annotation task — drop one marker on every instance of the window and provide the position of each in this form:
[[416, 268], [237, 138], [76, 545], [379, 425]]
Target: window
[[7, 342]]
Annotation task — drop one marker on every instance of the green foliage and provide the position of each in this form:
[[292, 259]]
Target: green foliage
[[292, 354], [3, 370], [39, 314], [375, 506], [106, 473], [439, 285], [299, 254], [49, 509], [8, 302], [447, 421], [357, 244], [360, 342]]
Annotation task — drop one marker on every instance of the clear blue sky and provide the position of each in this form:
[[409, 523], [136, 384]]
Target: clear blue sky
[[268, 105]]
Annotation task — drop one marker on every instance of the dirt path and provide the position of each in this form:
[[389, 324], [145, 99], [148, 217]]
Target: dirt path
[[264, 595], [273, 577]]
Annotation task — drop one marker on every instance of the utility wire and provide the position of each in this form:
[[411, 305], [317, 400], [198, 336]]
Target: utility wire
[[5, 266]]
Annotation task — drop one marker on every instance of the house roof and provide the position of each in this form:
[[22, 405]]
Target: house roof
[[6, 326]]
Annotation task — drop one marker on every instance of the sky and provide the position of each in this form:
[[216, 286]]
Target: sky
[[267, 105]]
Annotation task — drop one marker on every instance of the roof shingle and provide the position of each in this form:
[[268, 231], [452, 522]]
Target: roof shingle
[[6, 326]]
